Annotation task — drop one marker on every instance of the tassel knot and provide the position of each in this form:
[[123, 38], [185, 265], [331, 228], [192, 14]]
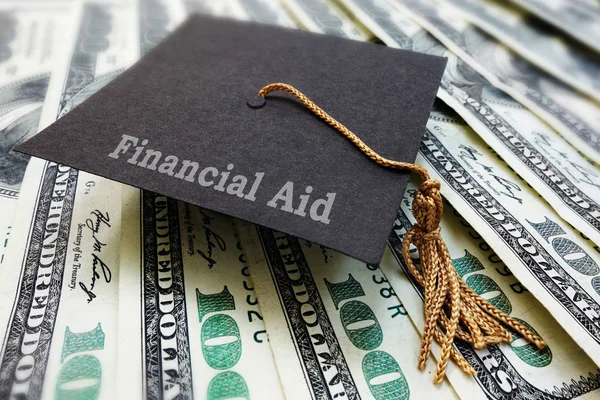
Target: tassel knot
[[420, 236], [427, 206]]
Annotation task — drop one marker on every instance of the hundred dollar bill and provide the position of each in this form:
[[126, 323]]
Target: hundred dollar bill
[[578, 18], [58, 314], [567, 60], [556, 264], [191, 324], [324, 17], [31, 37], [563, 177], [336, 328], [575, 117], [157, 18], [267, 11], [518, 370], [221, 8], [176, 346]]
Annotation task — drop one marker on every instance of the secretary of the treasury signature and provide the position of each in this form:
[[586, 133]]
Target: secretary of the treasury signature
[[95, 224]]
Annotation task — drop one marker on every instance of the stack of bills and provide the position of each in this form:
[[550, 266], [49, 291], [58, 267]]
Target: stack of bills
[[110, 292]]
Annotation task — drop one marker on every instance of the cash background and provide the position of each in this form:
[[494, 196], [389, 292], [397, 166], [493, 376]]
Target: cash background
[[135, 336]]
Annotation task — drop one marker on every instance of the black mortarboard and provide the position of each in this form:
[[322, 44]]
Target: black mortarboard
[[178, 123]]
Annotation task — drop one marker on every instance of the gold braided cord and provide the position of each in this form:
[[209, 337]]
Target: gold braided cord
[[452, 309]]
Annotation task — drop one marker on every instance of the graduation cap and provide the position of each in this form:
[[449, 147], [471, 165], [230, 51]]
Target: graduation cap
[[185, 121], [179, 123]]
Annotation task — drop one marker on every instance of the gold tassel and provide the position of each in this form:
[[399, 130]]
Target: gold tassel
[[452, 309]]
